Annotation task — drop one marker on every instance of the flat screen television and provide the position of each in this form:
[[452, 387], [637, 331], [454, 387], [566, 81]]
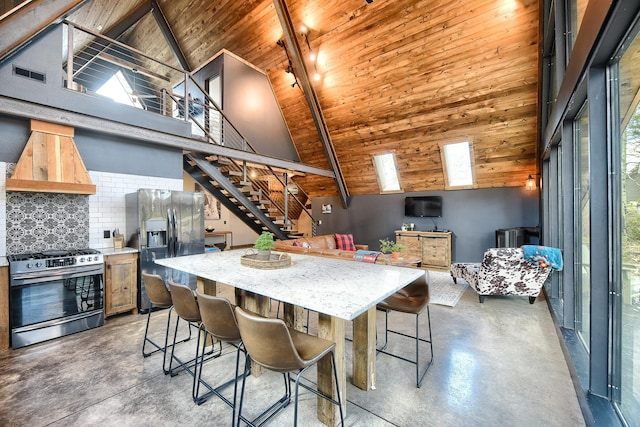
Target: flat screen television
[[425, 206]]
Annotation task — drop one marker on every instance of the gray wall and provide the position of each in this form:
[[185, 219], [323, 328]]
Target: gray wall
[[105, 153], [249, 103], [258, 115], [472, 216]]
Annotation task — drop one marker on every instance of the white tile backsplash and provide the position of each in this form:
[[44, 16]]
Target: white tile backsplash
[[107, 206]]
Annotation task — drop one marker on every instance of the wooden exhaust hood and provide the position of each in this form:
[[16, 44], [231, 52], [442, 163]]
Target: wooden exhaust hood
[[51, 163]]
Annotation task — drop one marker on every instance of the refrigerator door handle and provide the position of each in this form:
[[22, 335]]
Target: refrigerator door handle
[[175, 233], [169, 234]]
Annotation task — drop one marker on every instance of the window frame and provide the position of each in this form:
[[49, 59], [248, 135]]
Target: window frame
[[446, 166], [378, 172]]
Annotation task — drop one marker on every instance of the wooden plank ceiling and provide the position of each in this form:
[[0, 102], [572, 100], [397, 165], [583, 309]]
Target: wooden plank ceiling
[[402, 75]]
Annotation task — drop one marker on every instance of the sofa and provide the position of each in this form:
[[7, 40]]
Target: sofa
[[325, 245], [503, 271]]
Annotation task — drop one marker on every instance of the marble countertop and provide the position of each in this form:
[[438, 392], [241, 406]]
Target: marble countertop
[[111, 251], [340, 288]]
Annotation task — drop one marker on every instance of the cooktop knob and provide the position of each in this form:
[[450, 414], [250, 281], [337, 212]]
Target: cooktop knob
[[29, 265], [38, 264], [81, 259]]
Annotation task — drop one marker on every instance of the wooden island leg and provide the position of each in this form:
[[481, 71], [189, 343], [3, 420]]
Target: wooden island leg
[[364, 350], [332, 329], [293, 316]]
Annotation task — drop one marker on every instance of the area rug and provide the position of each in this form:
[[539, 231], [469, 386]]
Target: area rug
[[443, 291]]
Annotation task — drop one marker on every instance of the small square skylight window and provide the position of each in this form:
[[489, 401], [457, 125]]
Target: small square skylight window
[[458, 165], [387, 172]]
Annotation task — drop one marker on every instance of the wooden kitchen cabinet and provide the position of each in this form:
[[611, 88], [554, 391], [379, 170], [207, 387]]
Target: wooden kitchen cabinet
[[120, 284], [433, 248]]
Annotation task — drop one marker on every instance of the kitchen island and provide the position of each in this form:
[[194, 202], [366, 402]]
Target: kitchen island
[[337, 289]]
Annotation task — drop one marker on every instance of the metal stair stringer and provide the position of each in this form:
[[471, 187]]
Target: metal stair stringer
[[211, 172]]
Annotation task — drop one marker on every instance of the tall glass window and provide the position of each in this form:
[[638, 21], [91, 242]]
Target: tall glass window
[[583, 276], [575, 14], [628, 318], [559, 211]]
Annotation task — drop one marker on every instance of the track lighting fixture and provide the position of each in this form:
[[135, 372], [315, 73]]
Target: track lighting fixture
[[304, 31], [289, 69]]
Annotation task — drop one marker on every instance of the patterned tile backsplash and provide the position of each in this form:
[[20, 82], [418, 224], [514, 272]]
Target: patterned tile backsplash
[[42, 221]]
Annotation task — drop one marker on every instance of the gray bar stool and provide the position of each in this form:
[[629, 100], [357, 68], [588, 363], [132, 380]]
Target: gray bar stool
[[218, 321], [186, 307], [160, 298], [271, 344], [412, 299]]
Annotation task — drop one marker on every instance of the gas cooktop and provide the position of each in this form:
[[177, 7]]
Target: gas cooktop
[[39, 261]]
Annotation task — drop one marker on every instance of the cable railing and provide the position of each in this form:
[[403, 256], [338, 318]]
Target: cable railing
[[112, 71]]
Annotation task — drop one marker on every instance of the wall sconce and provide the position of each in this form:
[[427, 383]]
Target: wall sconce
[[531, 181], [289, 68]]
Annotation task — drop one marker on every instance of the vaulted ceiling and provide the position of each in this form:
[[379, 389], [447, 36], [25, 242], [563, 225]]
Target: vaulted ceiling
[[396, 75]]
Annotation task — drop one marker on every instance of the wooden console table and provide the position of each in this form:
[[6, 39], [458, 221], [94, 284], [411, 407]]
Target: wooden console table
[[228, 241], [432, 247]]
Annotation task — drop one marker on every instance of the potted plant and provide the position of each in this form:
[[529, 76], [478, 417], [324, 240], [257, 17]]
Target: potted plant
[[390, 247], [263, 244]]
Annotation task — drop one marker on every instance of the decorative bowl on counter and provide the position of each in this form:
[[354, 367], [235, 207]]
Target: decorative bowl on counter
[[209, 229]]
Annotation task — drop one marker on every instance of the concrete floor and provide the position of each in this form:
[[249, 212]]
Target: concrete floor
[[496, 364]]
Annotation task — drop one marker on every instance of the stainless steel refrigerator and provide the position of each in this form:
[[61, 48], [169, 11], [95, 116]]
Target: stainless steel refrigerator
[[164, 224]]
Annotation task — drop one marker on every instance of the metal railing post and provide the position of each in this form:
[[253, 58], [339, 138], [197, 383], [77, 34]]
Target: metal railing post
[[186, 96], [70, 29], [163, 91], [244, 171], [285, 193]]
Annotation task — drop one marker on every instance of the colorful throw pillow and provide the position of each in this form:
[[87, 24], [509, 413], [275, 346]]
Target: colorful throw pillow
[[345, 242]]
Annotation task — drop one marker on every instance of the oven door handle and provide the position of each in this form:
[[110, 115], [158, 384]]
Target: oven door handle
[[30, 278]]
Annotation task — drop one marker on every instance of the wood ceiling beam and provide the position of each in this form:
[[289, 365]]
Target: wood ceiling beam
[[18, 108], [21, 24], [312, 98], [165, 28]]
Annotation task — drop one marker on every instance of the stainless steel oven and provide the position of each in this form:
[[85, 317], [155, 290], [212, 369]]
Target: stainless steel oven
[[54, 293]]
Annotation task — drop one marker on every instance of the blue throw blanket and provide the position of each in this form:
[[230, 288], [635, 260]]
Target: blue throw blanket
[[544, 256]]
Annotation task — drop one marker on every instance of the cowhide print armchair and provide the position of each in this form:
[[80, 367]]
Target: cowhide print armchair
[[503, 271]]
